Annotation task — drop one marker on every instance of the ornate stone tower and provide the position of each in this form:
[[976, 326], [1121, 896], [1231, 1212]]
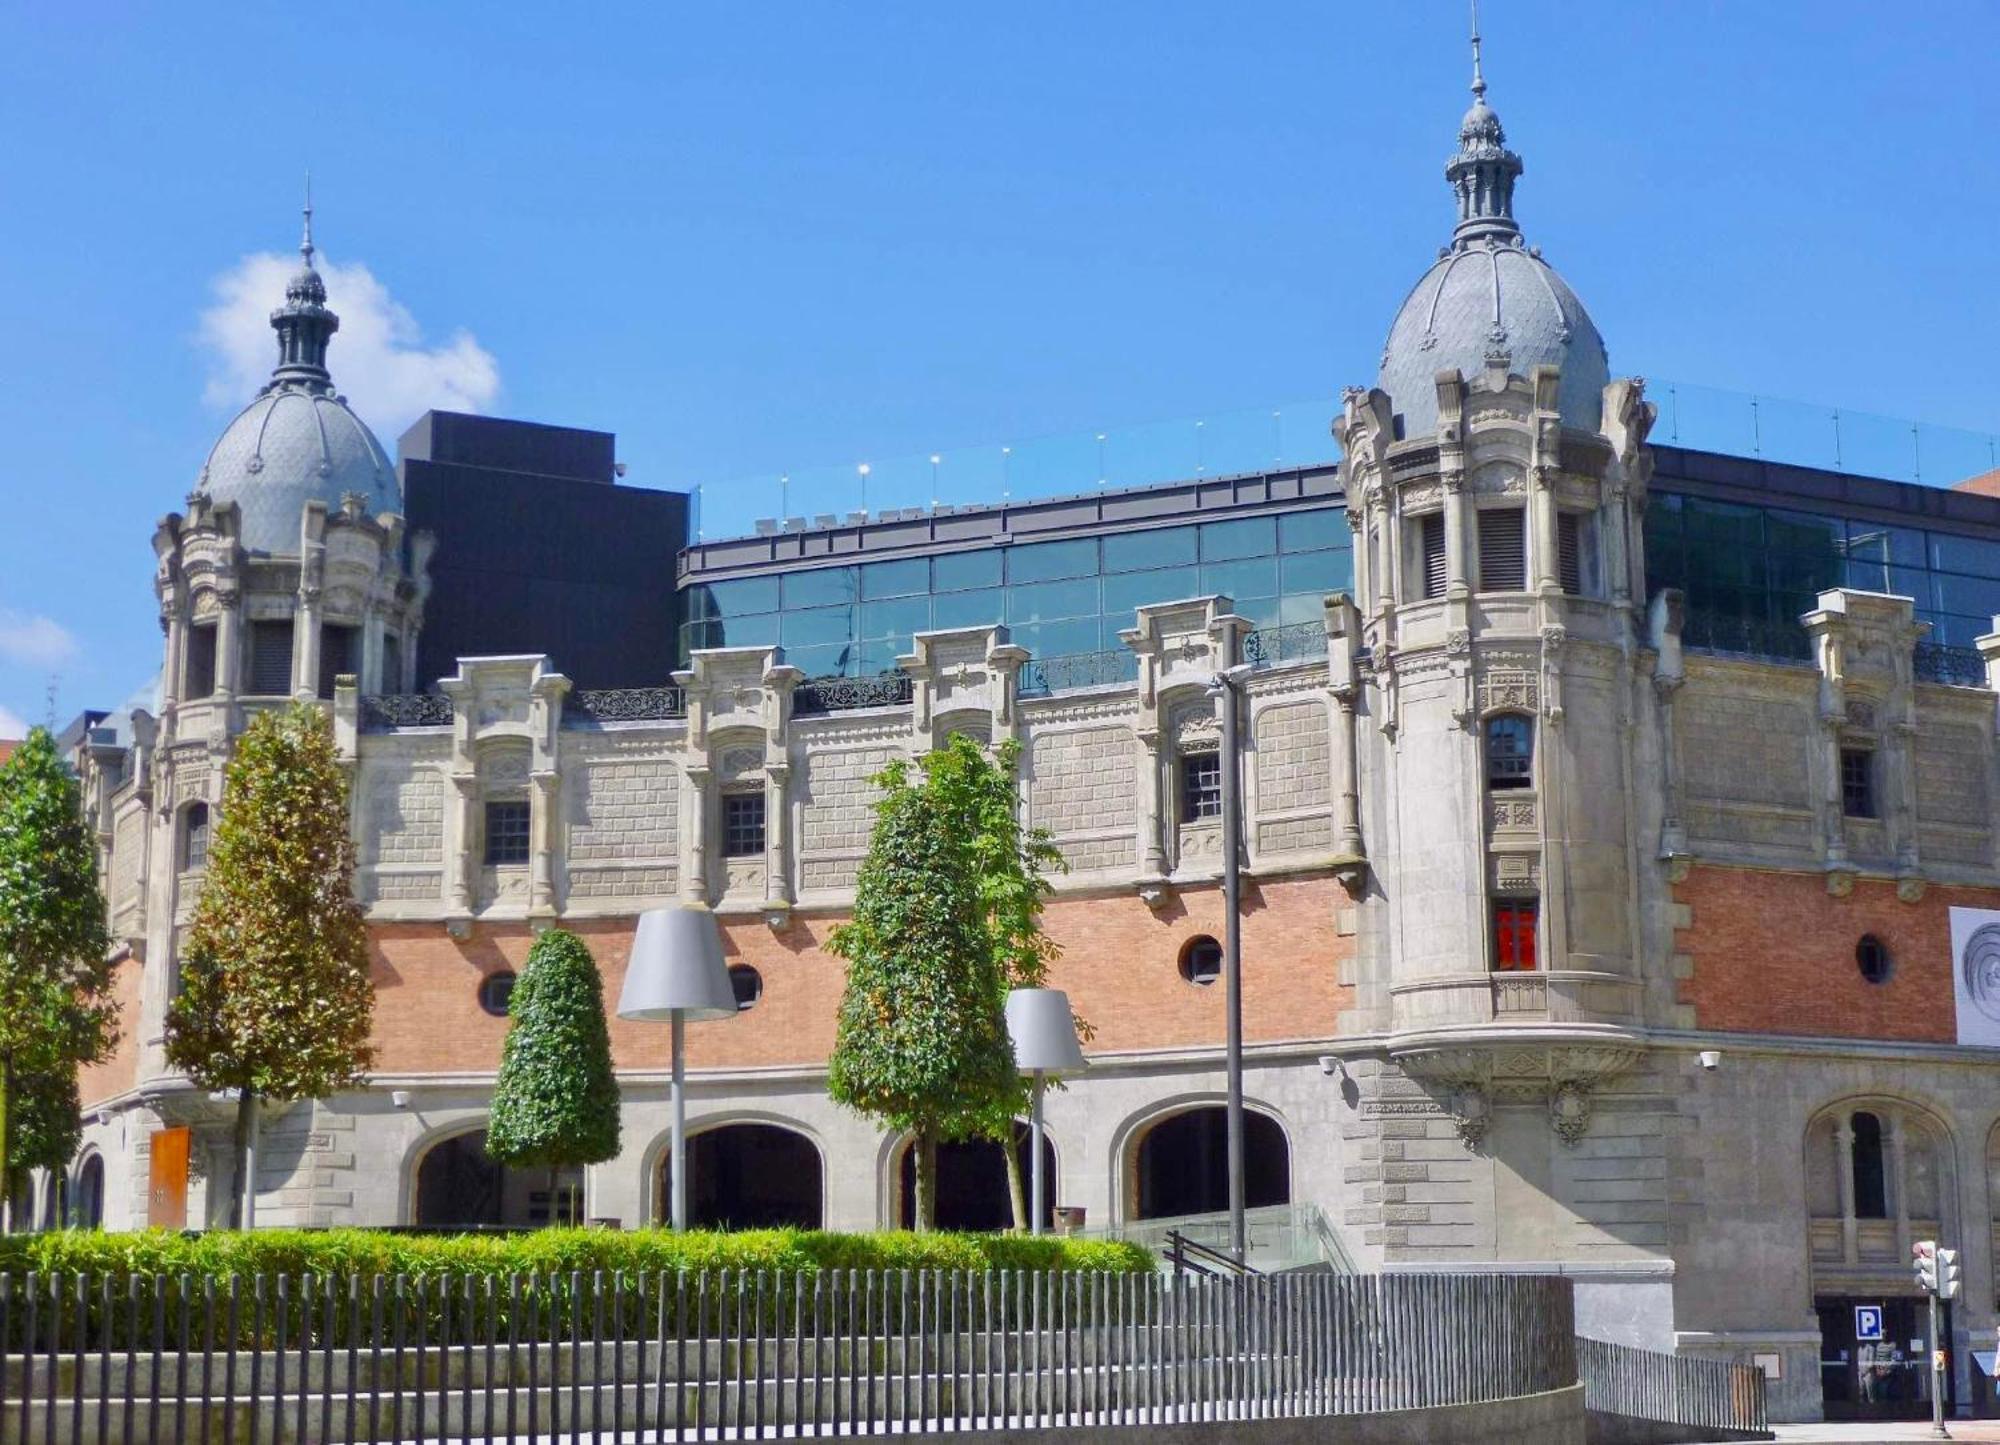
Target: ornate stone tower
[[1494, 478], [289, 568]]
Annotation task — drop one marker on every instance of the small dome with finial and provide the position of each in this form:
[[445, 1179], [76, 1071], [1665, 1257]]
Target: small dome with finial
[[298, 441], [1489, 299]]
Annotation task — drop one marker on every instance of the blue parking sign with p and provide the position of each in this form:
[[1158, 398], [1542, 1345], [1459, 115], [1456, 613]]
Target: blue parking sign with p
[[1867, 1323]]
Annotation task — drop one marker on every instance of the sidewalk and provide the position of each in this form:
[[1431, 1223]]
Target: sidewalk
[[1988, 1430]]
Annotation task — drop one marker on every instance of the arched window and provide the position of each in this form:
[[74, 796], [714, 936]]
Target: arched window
[[194, 837], [90, 1193], [1510, 751], [1871, 1180]]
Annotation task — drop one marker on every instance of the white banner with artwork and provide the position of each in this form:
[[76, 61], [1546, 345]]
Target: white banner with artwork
[[1975, 974]]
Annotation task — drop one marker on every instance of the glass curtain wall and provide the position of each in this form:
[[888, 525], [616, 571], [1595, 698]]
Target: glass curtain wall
[[1750, 572], [1058, 598]]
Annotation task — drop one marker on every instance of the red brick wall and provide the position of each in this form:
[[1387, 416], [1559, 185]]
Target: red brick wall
[[121, 1071], [1774, 953], [1120, 965]]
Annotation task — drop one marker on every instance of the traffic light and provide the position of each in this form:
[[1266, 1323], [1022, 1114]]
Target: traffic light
[[1947, 1273], [1924, 1255]]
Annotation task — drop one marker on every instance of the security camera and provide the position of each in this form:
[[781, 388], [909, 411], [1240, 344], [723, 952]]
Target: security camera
[[1711, 1059], [400, 1098]]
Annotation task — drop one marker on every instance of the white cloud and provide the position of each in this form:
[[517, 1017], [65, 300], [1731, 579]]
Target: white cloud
[[378, 357], [34, 641], [11, 725]]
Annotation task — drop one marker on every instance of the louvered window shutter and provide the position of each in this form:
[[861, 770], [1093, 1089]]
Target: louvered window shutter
[[1503, 561], [270, 659], [1569, 552], [1434, 568]]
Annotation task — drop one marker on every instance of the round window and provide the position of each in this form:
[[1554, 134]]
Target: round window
[[494, 991], [1201, 960], [1871, 956], [747, 983]]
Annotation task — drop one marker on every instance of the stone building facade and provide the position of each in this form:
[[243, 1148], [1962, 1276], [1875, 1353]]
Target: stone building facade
[[1573, 941]]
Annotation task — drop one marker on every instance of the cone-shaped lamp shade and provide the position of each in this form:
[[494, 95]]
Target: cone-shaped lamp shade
[[676, 967], [1044, 1033]]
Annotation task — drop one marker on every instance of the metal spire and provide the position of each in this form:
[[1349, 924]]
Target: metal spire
[[1478, 76], [306, 245]]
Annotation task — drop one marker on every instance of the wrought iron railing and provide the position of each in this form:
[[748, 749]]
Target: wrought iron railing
[[843, 694], [623, 704], [1952, 666], [383, 712], [1071, 671], [743, 1355], [1277, 646], [1741, 636], [1673, 1389]]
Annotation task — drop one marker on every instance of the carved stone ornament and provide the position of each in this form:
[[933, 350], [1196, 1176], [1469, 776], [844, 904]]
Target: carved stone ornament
[[1458, 640], [1195, 727], [1840, 879], [1861, 714], [1910, 888], [1569, 1111], [1509, 691], [1472, 1112], [738, 762]]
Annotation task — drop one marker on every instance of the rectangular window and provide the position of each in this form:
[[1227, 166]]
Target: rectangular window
[[1514, 935], [1201, 786], [1569, 552], [200, 662], [743, 825], [1503, 557], [270, 659], [1434, 565], [506, 833], [1857, 782], [337, 655], [392, 665]]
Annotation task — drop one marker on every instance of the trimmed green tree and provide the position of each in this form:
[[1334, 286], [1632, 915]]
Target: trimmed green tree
[[276, 997], [56, 1012], [946, 920], [555, 1102]]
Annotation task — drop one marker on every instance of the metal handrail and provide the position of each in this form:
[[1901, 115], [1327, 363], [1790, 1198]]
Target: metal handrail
[[1192, 1257]]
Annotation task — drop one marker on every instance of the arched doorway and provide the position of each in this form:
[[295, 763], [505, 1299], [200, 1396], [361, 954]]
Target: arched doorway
[[1182, 1164], [972, 1191], [752, 1176], [460, 1187], [1878, 1178], [90, 1193]]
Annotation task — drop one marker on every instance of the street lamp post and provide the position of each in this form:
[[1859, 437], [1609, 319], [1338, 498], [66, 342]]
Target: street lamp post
[[1043, 1029], [676, 972], [1227, 689]]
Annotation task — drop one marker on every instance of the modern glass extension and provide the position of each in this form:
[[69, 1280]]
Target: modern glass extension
[[1058, 598]]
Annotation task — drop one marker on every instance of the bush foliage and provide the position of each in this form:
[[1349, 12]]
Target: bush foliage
[[366, 1252]]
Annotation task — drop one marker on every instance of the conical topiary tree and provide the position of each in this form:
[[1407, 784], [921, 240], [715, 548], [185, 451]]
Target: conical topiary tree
[[922, 1041], [276, 999], [55, 981], [556, 1101]]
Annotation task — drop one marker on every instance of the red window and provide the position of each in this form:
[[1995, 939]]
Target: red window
[[1514, 935]]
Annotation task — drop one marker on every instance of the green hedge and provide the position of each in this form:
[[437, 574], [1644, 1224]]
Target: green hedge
[[149, 1285], [368, 1252]]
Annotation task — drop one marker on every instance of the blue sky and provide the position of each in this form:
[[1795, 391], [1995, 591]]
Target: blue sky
[[758, 238]]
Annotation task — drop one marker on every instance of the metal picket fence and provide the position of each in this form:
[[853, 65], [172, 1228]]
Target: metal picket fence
[[750, 1354], [1674, 1389]]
